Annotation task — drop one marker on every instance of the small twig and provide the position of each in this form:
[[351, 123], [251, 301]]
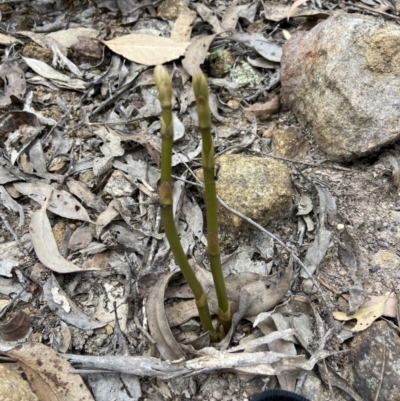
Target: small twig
[[145, 333], [12, 302], [382, 372]]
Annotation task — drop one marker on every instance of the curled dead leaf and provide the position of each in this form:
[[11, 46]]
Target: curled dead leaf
[[16, 328]]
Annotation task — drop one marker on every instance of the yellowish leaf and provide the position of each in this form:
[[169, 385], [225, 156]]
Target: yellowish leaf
[[364, 316], [147, 49]]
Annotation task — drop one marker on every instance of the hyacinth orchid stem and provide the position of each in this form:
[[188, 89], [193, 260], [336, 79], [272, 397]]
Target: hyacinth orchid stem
[[164, 86], [200, 89]]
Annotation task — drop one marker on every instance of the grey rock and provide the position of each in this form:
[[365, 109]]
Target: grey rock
[[372, 349], [342, 80], [312, 388]]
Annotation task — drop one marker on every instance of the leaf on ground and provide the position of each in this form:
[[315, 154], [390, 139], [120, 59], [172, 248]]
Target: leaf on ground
[[262, 111], [45, 245], [49, 374], [196, 53], [182, 29], [13, 386], [262, 299], [58, 301], [147, 49], [61, 202], [390, 309], [208, 16], [81, 191], [59, 79], [16, 328], [231, 16], [364, 316], [158, 324], [294, 6]]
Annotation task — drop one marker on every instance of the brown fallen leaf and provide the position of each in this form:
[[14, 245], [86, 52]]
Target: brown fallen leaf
[[45, 245], [16, 328], [147, 49], [48, 374], [262, 111], [364, 316]]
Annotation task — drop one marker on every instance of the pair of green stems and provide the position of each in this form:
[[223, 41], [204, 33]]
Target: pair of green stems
[[200, 88]]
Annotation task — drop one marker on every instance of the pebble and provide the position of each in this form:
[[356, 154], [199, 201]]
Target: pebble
[[340, 227], [217, 395]]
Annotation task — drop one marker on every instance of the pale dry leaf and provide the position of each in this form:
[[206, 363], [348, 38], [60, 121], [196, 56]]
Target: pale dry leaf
[[158, 324], [106, 217], [364, 316], [390, 309], [182, 29], [231, 16], [294, 6], [71, 36], [208, 16], [58, 301], [49, 374], [80, 190], [45, 245], [46, 71], [61, 202], [196, 53], [13, 387], [8, 40], [147, 49]]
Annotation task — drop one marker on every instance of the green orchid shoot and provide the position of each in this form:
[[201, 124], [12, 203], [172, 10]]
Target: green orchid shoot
[[164, 87], [200, 89]]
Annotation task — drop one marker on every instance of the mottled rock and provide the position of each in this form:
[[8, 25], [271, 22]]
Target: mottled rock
[[312, 388], [256, 187], [342, 80], [370, 349], [289, 143]]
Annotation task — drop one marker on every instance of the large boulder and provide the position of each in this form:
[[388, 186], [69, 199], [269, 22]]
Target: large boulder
[[342, 80]]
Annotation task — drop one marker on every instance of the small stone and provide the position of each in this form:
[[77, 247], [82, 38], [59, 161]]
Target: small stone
[[217, 395], [289, 143], [340, 227], [190, 325], [233, 104], [312, 388], [308, 287]]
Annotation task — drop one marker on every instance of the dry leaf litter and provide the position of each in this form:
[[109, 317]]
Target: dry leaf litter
[[305, 121]]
